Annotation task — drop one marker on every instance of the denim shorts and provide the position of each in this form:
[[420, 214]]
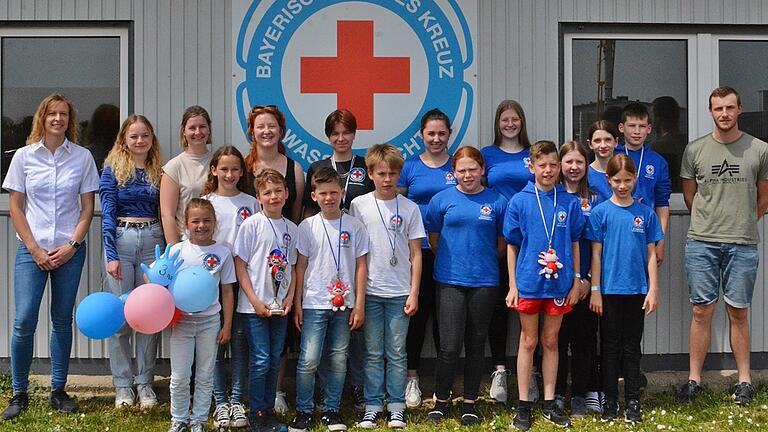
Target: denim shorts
[[708, 264]]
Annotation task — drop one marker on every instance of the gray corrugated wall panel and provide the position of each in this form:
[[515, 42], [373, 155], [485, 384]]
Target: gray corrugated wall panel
[[6, 303]]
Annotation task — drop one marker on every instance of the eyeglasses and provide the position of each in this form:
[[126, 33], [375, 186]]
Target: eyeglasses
[[262, 107]]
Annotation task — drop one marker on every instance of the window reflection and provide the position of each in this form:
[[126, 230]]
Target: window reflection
[[85, 69], [610, 73], [744, 66]]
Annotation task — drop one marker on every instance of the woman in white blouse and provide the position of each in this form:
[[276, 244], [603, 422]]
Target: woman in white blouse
[[52, 182]]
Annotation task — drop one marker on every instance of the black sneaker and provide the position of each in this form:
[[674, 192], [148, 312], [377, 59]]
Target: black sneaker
[[469, 416], [396, 420], [358, 398], [610, 410], [61, 402], [688, 391], [632, 412], [555, 414], [743, 393], [301, 422], [369, 420], [523, 420], [439, 413], [16, 405], [332, 420]]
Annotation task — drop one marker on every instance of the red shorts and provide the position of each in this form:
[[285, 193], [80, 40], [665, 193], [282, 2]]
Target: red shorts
[[549, 306]]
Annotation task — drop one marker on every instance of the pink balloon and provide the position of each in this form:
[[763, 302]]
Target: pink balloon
[[149, 308]]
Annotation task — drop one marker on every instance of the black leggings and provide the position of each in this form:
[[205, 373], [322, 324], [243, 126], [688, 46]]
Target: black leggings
[[497, 333], [579, 332], [417, 327], [621, 333], [463, 314]]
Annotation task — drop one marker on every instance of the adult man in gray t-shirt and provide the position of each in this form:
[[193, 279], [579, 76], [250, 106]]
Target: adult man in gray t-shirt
[[725, 185]]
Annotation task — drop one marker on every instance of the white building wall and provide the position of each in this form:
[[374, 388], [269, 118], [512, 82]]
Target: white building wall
[[181, 56]]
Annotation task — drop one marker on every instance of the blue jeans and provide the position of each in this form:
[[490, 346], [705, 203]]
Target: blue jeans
[[266, 337], [238, 359], [317, 324], [193, 340], [707, 264], [28, 287], [385, 329], [134, 246]]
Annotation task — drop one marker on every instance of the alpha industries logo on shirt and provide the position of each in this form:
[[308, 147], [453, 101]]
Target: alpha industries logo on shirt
[[725, 168], [726, 173], [211, 261]]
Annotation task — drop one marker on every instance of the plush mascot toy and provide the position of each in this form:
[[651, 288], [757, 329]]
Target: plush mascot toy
[[551, 264]]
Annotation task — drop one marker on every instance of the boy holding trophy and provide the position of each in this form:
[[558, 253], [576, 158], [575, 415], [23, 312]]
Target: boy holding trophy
[[265, 253]]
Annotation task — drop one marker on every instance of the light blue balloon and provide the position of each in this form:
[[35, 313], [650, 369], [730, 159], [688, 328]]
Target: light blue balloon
[[194, 289], [100, 315]]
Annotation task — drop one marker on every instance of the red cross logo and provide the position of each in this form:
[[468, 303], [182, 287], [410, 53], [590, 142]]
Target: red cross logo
[[245, 213], [211, 261], [355, 74]]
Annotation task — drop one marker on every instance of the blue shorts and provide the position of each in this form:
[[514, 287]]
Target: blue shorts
[[707, 264]]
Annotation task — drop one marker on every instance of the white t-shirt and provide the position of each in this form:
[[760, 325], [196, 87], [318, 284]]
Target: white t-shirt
[[52, 185], [403, 223], [216, 258], [321, 268], [255, 240], [231, 211]]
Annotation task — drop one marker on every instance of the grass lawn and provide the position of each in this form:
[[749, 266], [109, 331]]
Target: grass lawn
[[711, 412]]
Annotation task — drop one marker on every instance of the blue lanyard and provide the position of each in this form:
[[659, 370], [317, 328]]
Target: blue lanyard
[[337, 261], [392, 241], [277, 240]]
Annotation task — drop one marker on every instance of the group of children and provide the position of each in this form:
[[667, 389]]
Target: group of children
[[574, 252]]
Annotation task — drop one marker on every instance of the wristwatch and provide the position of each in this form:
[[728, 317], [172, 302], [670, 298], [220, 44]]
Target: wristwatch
[[75, 244]]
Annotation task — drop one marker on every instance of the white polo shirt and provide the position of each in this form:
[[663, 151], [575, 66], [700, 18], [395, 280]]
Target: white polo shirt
[[52, 184]]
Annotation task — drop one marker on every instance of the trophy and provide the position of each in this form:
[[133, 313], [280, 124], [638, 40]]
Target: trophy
[[276, 261]]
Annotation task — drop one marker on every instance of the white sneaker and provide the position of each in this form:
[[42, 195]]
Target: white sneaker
[[147, 396], [281, 406], [412, 393], [221, 416], [499, 385], [124, 397]]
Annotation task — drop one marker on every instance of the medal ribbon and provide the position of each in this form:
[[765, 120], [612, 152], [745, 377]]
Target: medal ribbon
[[346, 184], [550, 235], [397, 215], [328, 237], [277, 240], [639, 164]]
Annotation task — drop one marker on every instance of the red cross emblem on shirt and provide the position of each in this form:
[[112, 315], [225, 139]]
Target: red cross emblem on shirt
[[356, 74]]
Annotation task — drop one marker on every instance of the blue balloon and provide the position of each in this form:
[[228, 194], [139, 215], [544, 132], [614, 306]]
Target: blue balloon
[[100, 315], [194, 289]]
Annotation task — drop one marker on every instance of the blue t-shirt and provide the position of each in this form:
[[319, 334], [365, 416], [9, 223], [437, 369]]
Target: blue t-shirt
[[469, 228], [507, 173], [423, 182], [653, 185], [137, 198], [524, 228], [599, 183], [625, 233], [585, 244]]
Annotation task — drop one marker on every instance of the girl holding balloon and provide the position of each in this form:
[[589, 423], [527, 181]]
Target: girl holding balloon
[[199, 330], [130, 202], [226, 180]]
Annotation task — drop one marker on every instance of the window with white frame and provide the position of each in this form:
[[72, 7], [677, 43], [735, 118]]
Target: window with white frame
[[672, 74], [88, 65]]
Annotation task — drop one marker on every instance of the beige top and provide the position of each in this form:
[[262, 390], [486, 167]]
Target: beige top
[[190, 172]]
